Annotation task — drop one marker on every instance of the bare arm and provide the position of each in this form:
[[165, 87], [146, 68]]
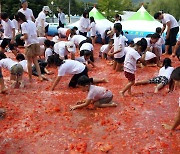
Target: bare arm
[[164, 27], [13, 37], [24, 37], [142, 59], [87, 102], [56, 82], [168, 29], [175, 48]]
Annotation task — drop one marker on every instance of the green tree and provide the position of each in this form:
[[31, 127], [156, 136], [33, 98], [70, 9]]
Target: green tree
[[12, 6], [110, 8]]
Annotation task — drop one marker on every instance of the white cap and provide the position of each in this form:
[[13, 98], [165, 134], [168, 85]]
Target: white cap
[[46, 8], [71, 46]]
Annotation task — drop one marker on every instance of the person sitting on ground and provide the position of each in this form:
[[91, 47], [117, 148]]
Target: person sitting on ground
[[174, 81], [42, 64], [72, 67], [132, 56], [85, 59], [15, 69], [63, 48], [99, 96], [105, 49], [162, 79]]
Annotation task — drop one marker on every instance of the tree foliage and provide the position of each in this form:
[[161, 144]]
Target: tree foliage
[[167, 6], [110, 8], [12, 6]]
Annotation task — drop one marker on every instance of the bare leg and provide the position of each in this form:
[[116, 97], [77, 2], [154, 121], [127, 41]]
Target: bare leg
[[127, 87], [35, 61], [143, 82], [29, 65], [3, 88], [110, 104], [166, 49], [114, 65], [119, 67], [103, 80], [158, 87], [176, 122]]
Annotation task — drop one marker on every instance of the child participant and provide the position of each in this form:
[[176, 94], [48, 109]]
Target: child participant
[[65, 32], [15, 69], [118, 53], [85, 59], [93, 30], [42, 64], [174, 80], [77, 39], [162, 79], [9, 33], [105, 49], [32, 47], [161, 40], [73, 67], [49, 45], [132, 56], [99, 96], [63, 48]]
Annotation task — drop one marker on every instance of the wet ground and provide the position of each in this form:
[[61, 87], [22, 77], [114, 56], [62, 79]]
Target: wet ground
[[39, 121]]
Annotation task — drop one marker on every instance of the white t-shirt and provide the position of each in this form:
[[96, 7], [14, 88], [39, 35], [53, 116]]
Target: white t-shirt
[[166, 72], [117, 22], [61, 17], [87, 46], [48, 52], [24, 65], [124, 39], [41, 40], [28, 13], [70, 67], [15, 24], [29, 28], [96, 93], [77, 39], [60, 49], [93, 29], [84, 23], [118, 43], [169, 18], [149, 55], [160, 42], [149, 44], [81, 59], [130, 60], [104, 48], [62, 31], [7, 63], [8, 27], [41, 17]]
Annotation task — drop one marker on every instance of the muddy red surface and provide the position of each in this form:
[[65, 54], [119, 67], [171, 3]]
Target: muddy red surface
[[39, 120]]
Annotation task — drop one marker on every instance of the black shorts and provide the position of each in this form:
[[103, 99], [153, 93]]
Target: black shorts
[[74, 79], [172, 36], [83, 33], [119, 60], [6, 42], [159, 79]]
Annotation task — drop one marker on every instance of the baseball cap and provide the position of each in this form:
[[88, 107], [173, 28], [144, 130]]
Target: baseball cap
[[71, 46], [46, 8]]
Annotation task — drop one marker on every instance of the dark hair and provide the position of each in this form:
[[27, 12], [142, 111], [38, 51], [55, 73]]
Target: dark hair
[[143, 44], [175, 76], [84, 80], [85, 13], [54, 59], [75, 28], [2, 55], [156, 15], [20, 16], [92, 19], [87, 53], [20, 57], [47, 43], [111, 40], [118, 27], [155, 36], [167, 63], [158, 30], [118, 16], [4, 16]]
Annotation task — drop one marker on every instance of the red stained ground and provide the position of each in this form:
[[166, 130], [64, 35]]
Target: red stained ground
[[39, 121]]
